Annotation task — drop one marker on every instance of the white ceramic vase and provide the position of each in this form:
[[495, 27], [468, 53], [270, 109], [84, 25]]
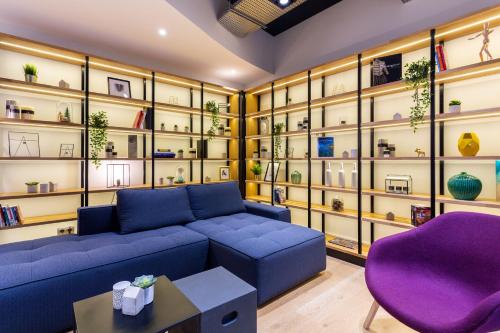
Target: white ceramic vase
[[118, 290], [454, 108], [149, 295]]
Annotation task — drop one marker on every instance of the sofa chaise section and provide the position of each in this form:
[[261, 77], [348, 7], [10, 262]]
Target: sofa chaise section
[[256, 242]]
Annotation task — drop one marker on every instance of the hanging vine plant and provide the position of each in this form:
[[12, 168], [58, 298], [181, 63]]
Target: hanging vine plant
[[277, 130], [417, 77], [213, 109], [98, 124]]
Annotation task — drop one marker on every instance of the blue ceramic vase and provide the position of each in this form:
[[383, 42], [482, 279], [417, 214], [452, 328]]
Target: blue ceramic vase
[[464, 186]]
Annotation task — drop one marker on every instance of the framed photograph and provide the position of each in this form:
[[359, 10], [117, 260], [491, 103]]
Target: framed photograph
[[24, 144], [268, 177], [325, 146], [119, 87], [224, 173], [387, 69], [66, 150]]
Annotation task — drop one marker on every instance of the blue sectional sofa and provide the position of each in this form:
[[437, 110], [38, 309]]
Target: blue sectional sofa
[[173, 232]]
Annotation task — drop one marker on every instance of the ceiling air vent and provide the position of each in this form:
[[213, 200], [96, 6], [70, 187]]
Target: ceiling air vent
[[245, 16]]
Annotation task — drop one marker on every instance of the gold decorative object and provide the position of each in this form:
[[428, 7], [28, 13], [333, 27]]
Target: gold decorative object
[[468, 144]]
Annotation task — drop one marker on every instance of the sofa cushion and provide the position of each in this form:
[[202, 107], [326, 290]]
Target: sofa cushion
[[212, 200], [252, 235], [45, 258], [150, 209]]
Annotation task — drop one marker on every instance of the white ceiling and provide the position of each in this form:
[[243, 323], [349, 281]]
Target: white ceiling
[[126, 30]]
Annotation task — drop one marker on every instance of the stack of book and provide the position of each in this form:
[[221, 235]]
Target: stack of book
[[143, 119], [164, 153], [440, 58], [10, 216]]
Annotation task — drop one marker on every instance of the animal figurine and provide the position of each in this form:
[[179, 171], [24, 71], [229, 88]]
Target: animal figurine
[[420, 152], [486, 41]]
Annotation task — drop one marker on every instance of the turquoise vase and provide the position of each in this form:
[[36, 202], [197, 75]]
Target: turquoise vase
[[296, 177], [464, 186]]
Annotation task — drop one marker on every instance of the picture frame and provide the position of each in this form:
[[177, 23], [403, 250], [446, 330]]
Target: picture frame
[[24, 144], [326, 146], [224, 173], [268, 176], [119, 88], [66, 150], [386, 69]]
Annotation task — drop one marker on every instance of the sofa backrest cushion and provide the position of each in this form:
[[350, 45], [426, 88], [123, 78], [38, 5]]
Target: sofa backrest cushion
[[211, 200], [140, 210]]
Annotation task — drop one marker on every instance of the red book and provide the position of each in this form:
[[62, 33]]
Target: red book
[[442, 60], [141, 119], [134, 124]]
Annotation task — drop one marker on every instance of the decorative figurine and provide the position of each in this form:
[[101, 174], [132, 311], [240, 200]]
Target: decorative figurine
[[420, 152], [162, 127], [486, 41], [337, 205], [63, 84], [390, 216], [345, 154], [186, 129], [397, 116], [176, 128]]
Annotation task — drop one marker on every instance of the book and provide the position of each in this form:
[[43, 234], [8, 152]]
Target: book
[[441, 58], [6, 216], [136, 119], [16, 210], [325, 146], [148, 119], [2, 220]]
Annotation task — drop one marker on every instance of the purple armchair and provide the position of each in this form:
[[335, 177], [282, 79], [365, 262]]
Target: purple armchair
[[441, 277]]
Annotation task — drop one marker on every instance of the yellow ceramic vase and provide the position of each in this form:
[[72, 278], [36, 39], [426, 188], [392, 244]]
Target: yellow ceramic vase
[[468, 144]]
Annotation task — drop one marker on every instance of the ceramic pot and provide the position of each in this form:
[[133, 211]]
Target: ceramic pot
[[296, 177], [256, 177], [118, 290], [454, 108], [32, 188], [149, 295], [170, 182], [30, 78], [180, 154], [468, 144], [464, 186], [44, 188]]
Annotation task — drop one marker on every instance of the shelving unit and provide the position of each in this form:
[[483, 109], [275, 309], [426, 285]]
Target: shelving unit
[[81, 184], [341, 90]]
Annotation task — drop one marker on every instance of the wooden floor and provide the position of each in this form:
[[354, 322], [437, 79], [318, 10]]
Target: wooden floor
[[335, 301]]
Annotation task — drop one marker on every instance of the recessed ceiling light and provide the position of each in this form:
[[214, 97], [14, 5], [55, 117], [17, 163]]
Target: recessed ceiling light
[[162, 32], [284, 2]]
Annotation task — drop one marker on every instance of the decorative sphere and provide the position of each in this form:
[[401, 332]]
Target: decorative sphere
[[468, 144]]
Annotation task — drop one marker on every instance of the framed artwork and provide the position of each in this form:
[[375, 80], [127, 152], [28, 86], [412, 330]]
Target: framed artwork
[[224, 173], [325, 146], [119, 87], [268, 176], [387, 69], [24, 144], [66, 150]]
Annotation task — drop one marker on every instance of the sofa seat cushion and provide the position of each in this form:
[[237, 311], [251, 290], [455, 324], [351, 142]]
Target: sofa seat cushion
[[45, 258], [211, 200], [271, 255], [255, 236], [139, 210]]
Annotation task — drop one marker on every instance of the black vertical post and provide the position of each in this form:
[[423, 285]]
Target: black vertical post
[[372, 166], [309, 222], [433, 123], [287, 128], [144, 97], [258, 140], [242, 164], [82, 139], [191, 104], [272, 144], [202, 116], [153, 130], [323, 163], [87, 117], [228, 142], [441, 144], [360, 203]]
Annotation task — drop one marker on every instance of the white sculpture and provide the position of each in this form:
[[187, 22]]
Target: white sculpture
[[133, 301]]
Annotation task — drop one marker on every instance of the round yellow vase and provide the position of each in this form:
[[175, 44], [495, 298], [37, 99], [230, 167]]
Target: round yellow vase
[[468, 144]]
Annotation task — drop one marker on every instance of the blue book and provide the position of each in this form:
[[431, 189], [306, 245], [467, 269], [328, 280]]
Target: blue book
[[325, 146]]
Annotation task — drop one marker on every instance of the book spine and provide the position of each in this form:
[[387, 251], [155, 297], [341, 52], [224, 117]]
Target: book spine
[[136, 119], [2, 220], [12, 216], [20, 216], [15, 214]]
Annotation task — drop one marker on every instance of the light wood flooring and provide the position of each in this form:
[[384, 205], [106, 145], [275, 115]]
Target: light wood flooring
[[335, 301]]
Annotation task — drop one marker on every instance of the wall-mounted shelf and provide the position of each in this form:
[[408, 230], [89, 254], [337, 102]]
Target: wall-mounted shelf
[[38, 88]]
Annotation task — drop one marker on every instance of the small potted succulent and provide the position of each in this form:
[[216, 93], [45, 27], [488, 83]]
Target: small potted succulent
[[170, 180], [32, 187], [30, 73], [180, 153], [220, 130], [147, 283], [455, 106], [296, 177], [256, 170], [192, 152]]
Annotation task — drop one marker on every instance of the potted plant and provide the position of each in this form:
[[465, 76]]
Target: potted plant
[[417, 77], [213, 110], [256, 170], [192, 152], [32, 187], [97, 129], [30, 73], [170, 180], [147, 283], [455, 106], [180, 153], [277, 130]]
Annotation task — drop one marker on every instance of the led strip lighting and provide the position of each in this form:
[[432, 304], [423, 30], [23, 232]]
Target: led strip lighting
[[39, 90]]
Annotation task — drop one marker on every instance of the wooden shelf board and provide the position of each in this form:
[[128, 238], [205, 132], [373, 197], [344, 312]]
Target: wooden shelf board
[[399, 222], [480, 202], [466, 158], [345, 97], [335, 129], [45, 219], [6, 158], [382, 193], [24, 195], [40, 123], [106, 98], [397, 158], [364, 247], [39, 88], [125, 130]]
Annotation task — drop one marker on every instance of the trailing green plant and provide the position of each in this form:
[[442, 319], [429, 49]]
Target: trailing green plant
[[277, 130], [30, 69], [213, 109], [455, 102], [31, 183], [98, 124], [417, 77], [256, 169]]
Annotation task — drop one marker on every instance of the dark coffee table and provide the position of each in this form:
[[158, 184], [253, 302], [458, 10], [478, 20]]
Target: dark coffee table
[[171, 311]]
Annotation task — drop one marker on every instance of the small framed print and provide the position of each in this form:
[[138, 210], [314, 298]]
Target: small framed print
[[66, 150], [119, 87], [268, 177], [224, 173]]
